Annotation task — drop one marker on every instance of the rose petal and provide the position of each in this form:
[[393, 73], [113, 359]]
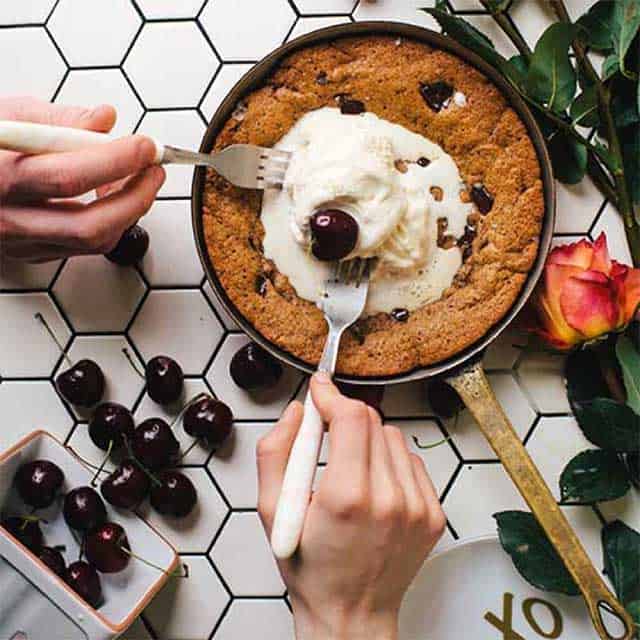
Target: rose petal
[[601, 260], [631, 294], [577, 254], [589, 304], [547, 303]]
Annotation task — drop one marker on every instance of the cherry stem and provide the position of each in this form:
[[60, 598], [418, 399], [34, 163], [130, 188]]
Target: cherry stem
[[197, 398], [183, 574], [433, 445], [40, 318], [142, 468], [30, 518], [189, 449], [101, 467], [134, 366], [85, 461]]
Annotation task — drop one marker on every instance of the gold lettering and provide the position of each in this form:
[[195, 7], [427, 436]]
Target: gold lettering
[[527, 610]]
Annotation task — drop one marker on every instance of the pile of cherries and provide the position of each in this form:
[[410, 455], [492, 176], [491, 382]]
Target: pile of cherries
[[104, 544]]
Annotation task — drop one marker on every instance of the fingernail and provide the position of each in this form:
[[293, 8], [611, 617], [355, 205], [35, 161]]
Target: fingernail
[[322, 377]]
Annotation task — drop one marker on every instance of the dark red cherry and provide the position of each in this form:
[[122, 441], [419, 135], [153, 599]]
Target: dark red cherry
[[54, 560], [164, 379], [253, 368], [83, 509], [130, 248], [176, 496], [126, 487], [208, 419], [334, 234], [85, 581], [436, 94], [105, 546], [26, 531], [111, 423], [154, 444], [38, 483], [82, 384], [443, 398]]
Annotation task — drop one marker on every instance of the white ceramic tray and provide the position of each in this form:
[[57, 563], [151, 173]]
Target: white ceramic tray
[[125, 594]]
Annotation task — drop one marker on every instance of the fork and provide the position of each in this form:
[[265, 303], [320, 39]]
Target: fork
[[245, 165], [343, 302]]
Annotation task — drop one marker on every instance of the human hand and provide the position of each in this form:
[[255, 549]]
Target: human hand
[[35, 227], [371, 523]]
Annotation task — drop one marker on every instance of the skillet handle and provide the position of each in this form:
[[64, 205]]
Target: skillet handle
[[474, 389]]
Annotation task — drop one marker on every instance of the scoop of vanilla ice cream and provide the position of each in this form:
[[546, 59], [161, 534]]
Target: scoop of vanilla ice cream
[[367, 167]]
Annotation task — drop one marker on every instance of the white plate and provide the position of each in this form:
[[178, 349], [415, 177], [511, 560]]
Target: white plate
[[461, 589]]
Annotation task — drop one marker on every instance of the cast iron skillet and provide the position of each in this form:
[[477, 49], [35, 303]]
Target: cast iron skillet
[[464, 370]]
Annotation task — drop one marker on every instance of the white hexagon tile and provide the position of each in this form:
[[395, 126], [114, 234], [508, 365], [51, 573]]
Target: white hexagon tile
[[28, 351], [105, 86], [171, 64], [38, 73], [179, 324], [93, 32], [98, 295], [263, 27], [31, 406], [166, 65], [243, 556]]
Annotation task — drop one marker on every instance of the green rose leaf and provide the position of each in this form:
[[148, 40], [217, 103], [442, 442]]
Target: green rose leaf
[[568, 157], [629, 359], [608, 424], [533, 555], [597, 26], [466, 34], [621, 549], [584, 109], [610, 66], [626, 22], [624, 101], [594, 476], [515, 69], [551, 78]]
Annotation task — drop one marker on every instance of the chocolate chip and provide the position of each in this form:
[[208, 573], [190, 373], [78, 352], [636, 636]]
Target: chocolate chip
[[436, 94], [465, 242], [261, 285], [400, 315], [481, 198], [437, 193], [401, 166], [321, 78], [423, 162], [349, 106]]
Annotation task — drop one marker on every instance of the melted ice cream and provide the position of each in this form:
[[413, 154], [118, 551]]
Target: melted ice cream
[[367, 167]]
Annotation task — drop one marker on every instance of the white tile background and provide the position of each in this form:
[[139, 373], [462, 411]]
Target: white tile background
[[166, 65]]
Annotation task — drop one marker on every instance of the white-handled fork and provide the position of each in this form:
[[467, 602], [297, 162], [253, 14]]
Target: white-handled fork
[[244, 165], [345, 298]]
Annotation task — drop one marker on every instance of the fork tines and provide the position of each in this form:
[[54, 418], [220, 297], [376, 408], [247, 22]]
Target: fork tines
[[273, 167], [351, 271]]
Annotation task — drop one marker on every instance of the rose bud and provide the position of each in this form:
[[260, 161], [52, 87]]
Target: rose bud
[[584, 294]]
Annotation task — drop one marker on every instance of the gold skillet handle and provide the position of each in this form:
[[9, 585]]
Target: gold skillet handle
[[474, 389]]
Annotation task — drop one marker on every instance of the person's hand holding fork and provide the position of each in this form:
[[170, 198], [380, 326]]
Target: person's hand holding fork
[[372, 521]]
